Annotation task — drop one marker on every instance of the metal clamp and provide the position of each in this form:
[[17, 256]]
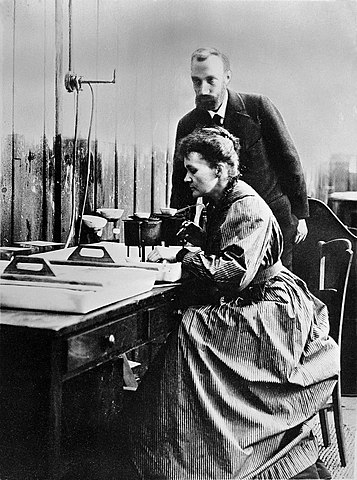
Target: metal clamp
[[73, 82]]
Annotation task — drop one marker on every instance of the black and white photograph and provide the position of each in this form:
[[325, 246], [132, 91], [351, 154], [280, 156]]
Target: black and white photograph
[[178, 239]]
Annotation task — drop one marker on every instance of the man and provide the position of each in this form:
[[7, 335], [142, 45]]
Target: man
[[269, 161]]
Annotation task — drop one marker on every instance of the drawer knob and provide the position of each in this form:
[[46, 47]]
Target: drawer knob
[[107, 342]]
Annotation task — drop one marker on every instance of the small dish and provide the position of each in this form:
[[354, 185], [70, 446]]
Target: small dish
[[143, 215], [91, 221], [168, 211], [111, 214]]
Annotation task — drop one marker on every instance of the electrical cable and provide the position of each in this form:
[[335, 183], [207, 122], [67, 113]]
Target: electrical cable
[[73, 214], [88, 165], [69, 35]]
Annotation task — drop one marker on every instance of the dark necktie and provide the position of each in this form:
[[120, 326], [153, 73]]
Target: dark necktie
[[217, 120]]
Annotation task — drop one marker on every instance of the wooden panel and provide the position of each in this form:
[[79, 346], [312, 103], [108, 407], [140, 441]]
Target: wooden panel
[[126, 178], [85, 166], [159, 179], [25, 401], [340, 178], [48, 190], [28, 190], [161, 321], [26, 116], [90, 409], [29, 69], [142, 186], [6, 103], [105, 175], [104, 181], [66, 191], [19, 174], [28, 120], [6, 191]]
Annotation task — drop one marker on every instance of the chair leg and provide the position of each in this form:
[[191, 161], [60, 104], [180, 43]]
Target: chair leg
[[337, 415], [325, 430]]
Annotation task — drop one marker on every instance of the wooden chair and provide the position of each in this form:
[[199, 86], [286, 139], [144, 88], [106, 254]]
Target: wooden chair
[[335, 258], [324, 225]]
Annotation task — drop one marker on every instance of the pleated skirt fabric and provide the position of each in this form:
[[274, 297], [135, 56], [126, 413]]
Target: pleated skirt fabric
[[232, 393]]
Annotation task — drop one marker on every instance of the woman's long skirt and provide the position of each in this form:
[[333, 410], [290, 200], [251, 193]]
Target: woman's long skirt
[[232, 393]]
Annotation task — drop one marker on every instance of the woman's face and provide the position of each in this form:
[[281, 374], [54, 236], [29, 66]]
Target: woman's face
[[202, 179]]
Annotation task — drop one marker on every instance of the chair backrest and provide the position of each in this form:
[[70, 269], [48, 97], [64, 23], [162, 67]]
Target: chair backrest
[[335, 259], [324, 225]]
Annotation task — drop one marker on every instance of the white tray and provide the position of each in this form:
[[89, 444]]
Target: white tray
[[88, 288]]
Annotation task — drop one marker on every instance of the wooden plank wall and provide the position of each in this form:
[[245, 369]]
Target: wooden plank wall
[[132, 137], [127, 170], [27, 161]]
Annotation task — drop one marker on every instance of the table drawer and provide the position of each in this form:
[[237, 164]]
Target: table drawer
[[161, 320], [97, 344]]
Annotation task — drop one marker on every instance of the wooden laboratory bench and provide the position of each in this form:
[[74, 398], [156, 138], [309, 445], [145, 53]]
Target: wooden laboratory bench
[[61, 378]]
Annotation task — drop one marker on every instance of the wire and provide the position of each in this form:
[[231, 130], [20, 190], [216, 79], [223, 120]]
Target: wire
[[88, 165], [69, 35], [71, 228]]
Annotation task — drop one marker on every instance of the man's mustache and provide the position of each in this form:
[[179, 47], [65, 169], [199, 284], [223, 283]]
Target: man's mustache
[[204, 98], [206, 102]]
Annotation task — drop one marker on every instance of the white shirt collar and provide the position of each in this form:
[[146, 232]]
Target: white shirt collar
[[222, 109]]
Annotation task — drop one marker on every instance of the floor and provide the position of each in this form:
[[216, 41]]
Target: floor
[[330, 455]]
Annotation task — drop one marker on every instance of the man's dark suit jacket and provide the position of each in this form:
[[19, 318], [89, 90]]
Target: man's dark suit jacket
[[269, 161]]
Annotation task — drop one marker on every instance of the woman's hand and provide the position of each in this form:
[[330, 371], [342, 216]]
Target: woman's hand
[[191, 233], [159, 254]]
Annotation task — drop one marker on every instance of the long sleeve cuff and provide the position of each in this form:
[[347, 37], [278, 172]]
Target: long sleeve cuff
[[181, 253]]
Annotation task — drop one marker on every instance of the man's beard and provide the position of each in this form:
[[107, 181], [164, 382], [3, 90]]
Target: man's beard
[[207, 102]]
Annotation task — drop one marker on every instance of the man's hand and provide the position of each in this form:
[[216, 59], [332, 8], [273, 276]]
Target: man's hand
[[301, 231]]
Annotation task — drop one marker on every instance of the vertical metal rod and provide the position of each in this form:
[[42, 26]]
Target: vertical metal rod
[[152, 200], [69, 35], [95, 174], [167, 198], [44, 145], [95, 159], [116, 156], [135, 176], [116, 174], [135, 149], [12, 226], [58, 119]]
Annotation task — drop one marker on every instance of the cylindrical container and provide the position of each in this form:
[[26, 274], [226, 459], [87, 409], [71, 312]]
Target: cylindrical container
[[142, 232], [151, 232]]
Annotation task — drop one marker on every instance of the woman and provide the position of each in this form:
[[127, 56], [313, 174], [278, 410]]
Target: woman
[[232, 394]]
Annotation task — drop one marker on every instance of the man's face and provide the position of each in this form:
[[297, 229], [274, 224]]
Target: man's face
[[209, 82]]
